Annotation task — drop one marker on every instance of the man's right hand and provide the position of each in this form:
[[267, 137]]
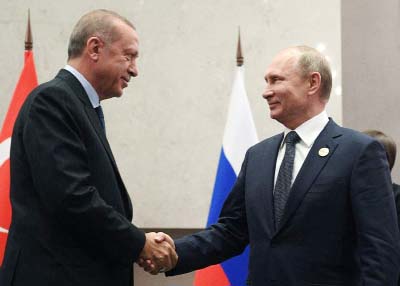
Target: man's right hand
[[158, 254]]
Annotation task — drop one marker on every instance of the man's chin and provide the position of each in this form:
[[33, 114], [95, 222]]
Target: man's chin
[[119, 93], [272, 114]]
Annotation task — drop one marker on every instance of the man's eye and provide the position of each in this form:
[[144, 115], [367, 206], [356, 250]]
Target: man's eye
[[128, 58]]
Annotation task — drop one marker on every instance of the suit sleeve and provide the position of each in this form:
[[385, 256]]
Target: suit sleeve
[[220, 241], [375, 217], [61, 175]]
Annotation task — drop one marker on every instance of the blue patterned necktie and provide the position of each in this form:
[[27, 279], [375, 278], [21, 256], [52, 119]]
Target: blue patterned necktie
[[284, 179], [100, 114]]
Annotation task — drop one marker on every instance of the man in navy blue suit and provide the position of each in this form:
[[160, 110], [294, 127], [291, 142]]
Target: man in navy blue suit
[[315, 202]]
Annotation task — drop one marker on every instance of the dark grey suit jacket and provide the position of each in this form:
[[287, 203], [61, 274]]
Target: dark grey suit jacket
[[71, 212], [339, 226]]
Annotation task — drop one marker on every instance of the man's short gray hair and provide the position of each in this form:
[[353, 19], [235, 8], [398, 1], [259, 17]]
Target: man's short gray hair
[[100, 23], [309, 61]]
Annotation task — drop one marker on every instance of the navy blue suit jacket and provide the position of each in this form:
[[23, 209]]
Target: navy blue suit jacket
[[71, 212], [339, 225]]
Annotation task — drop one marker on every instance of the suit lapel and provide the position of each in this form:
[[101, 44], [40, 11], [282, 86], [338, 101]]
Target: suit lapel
[[94, 120], [311, 168], [268, 162], [77, 89]]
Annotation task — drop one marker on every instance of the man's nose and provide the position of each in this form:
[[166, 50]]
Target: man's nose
[[267, 92], [133, 70]]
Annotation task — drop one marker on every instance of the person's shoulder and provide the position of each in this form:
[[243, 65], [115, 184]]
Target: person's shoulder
[[358, 143], [355, 137], [266, 143], [55, 94], [56, 84]]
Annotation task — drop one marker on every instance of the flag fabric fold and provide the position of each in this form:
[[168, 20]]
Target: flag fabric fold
[[26, 83], [240, 134]]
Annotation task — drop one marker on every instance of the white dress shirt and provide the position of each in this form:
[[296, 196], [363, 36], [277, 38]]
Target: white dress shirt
[[308, 132]]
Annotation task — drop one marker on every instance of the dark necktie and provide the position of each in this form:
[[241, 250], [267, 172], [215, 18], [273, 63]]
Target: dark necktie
[[284, 179], [100, 114]]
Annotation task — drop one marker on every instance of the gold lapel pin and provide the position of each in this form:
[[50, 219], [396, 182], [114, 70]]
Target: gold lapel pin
[[323, 152]]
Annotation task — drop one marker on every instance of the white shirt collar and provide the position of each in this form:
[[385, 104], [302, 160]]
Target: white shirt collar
[[309, 130], [91, 92]]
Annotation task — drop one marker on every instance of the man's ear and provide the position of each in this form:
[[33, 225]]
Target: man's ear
[[314, 83], [94, 45]]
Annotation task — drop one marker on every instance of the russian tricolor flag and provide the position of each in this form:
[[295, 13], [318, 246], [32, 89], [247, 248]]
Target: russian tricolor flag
[[240, 134]]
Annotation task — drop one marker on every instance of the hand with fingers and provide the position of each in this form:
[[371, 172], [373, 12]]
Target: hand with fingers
[[158, 254]]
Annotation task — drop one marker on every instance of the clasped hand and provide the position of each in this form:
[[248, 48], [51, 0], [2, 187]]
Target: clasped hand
[[158, 254]]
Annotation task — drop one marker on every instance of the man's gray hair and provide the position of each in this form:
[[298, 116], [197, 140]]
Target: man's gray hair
[[309, 61], [99, 23]]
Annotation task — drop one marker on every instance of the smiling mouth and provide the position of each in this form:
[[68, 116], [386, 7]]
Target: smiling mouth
[[272, 104], [125, 81]]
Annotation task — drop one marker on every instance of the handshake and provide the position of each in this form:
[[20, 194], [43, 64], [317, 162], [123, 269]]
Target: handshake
[[158, 254]]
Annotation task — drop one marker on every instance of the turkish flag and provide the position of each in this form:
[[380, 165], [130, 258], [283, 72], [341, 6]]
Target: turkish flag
[[26, 83]]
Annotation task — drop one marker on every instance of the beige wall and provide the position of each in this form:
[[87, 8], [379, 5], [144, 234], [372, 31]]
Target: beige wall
[[166, 130], [371, 67]]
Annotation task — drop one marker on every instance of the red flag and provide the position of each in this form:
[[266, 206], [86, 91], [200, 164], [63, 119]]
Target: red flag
[[26, 83]]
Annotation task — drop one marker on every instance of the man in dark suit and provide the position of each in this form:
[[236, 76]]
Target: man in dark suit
[[71, 211], [314, 203]]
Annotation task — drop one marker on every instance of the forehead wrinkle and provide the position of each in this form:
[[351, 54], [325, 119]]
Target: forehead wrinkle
[[284, 63]]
